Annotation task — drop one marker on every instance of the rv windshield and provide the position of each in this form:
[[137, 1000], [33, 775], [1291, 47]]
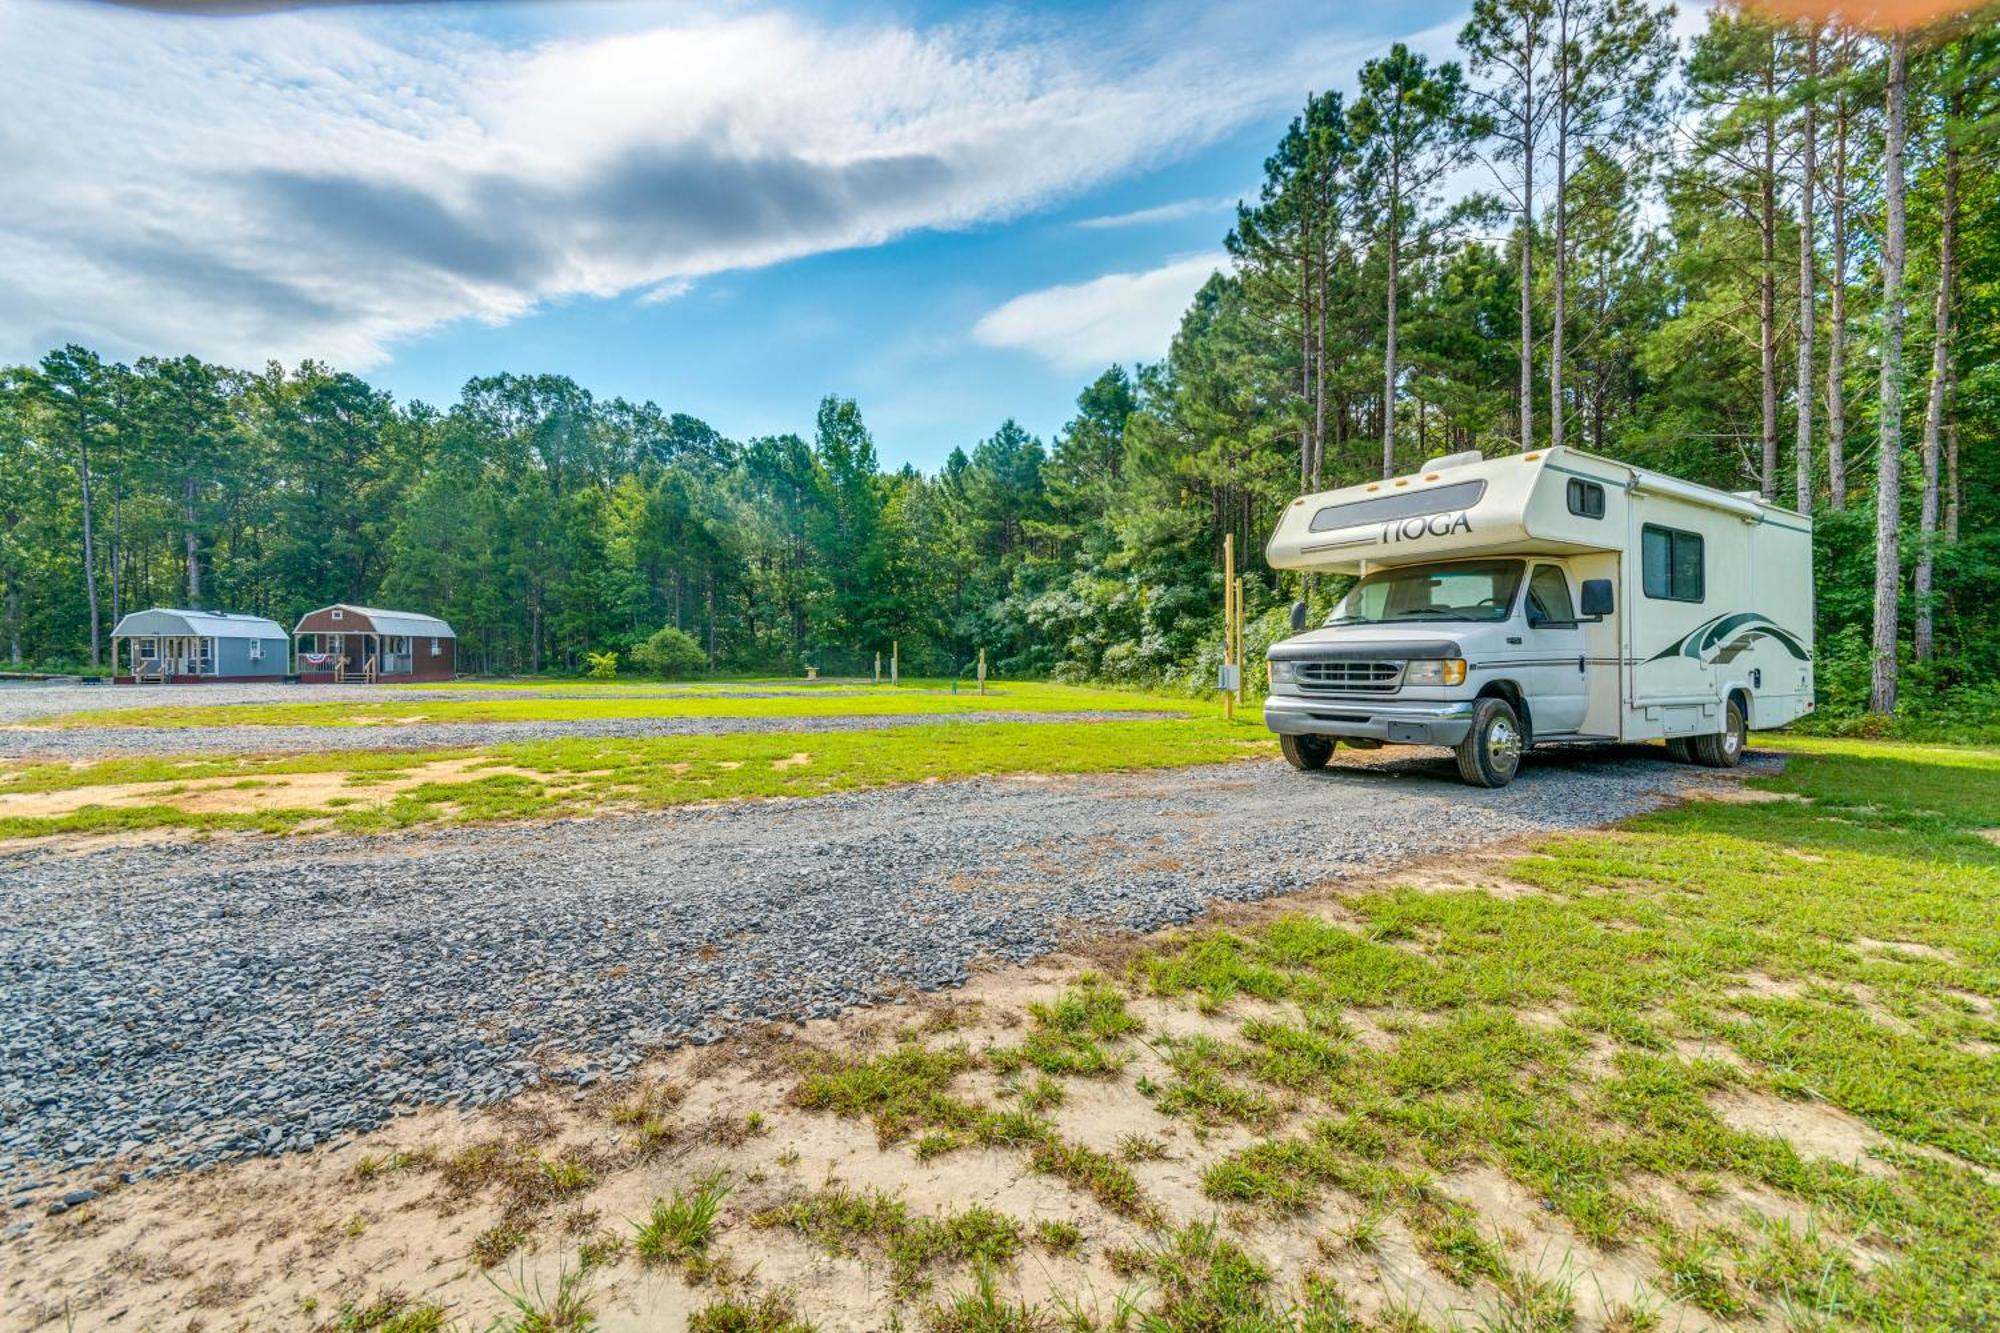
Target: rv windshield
[[1469, 590]]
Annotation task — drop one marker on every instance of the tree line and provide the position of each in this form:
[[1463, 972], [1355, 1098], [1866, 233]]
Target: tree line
[[1769, 261]]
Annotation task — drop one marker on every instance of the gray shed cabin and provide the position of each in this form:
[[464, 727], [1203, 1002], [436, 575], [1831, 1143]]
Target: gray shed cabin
[[168, 647]]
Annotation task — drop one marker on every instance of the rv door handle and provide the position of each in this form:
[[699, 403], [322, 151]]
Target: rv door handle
[[1581, 660]]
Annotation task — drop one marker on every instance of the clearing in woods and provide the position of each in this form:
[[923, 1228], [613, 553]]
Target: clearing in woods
[[1728, 1064]]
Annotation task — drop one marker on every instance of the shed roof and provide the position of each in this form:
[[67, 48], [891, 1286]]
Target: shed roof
[[412, 624], [200, 624]]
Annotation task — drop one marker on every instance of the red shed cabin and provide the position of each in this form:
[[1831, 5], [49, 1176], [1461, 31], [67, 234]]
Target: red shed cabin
[[360, 643]]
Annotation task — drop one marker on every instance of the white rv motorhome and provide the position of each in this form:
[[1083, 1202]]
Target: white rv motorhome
[[1544, 596]]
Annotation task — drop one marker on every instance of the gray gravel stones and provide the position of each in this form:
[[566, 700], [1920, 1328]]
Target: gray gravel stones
[[177, 1004]]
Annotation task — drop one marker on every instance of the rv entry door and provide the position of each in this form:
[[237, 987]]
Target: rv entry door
[[1558, 676]]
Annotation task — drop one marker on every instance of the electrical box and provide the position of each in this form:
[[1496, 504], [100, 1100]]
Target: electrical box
[[1229, 678]]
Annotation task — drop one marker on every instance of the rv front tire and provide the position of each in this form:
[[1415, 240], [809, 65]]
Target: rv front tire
[[1723, 749], [1490, 754], [1306, 753]]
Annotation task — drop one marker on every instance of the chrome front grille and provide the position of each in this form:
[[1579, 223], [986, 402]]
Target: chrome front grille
[[1350, 677]]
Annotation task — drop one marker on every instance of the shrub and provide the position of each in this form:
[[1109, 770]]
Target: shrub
[[670, 652], [603, 666]]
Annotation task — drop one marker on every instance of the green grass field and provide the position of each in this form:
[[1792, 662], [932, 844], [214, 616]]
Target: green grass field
[[551, 779], [494, 705]]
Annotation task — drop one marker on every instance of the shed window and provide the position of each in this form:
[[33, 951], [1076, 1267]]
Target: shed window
[[256, 650], [1586, 498], [437, 648], [338, 614], [1674, 564]]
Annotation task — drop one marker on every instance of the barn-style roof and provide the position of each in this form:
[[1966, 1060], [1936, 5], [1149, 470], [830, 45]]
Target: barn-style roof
[[411, 624], [163, 620]]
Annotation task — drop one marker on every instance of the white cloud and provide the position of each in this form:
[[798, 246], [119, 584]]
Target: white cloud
[[1116, 317], [1172, 212], [330, 182]]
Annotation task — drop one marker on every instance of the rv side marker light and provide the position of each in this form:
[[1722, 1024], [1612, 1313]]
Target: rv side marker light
[[1373, 486], [1402, 481], [1430, 476], [1529, 458]]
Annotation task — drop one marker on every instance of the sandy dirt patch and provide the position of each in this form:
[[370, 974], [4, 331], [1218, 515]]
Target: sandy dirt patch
[[249, 794]]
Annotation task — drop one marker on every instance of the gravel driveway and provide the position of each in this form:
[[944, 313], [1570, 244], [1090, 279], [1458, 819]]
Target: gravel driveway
[[180, 1003]]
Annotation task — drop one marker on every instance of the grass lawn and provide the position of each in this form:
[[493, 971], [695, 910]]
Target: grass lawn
[[910, 697], [1749, 1048], [365, 791]]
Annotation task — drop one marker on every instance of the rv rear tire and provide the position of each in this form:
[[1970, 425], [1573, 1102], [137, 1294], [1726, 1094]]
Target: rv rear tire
[[1723, 749], [1306, 753], [1490, 754], [1679, 751]]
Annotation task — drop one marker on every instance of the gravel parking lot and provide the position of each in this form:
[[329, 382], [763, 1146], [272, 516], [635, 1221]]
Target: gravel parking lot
[[179, 1003]]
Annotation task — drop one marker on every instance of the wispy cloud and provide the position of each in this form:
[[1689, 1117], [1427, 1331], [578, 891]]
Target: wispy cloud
[[1172, 212], [330, 182], [1115, 317]]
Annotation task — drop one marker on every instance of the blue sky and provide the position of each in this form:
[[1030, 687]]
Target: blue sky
[[953, 213]]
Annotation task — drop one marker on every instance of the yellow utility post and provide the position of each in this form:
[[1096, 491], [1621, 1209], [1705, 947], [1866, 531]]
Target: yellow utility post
[[1228, 621]]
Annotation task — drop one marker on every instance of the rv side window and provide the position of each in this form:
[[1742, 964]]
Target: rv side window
[[1548, 598], [1673, 564], [1586, 499]]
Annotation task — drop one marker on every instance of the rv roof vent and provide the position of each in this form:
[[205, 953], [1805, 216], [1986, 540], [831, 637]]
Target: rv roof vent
[[1758, 496], [1455, 460]]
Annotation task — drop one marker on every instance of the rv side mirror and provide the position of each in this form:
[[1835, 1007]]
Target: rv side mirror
[[1597, 600], [1298, 616]]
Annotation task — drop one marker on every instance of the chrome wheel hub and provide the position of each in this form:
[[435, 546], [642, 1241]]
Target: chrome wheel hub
[[1503, 745]]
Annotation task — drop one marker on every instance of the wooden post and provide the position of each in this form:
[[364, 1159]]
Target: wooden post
[[1228, 616], [878, 668], [1237, 601], [982, 671], [895, 659]]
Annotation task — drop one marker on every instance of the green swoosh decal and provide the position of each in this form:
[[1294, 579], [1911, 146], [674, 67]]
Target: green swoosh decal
[[1712, 636]]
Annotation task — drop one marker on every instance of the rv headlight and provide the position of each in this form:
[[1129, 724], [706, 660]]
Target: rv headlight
[[1441, 671], [1281, 673]]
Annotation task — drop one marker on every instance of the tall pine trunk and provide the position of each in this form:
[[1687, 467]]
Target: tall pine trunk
[[1389, 337], [1559, 274], [1836, 351], [1767, 286], [89, 536], [1802, 442], [191, 543], [1889, 460], [1927, 521]]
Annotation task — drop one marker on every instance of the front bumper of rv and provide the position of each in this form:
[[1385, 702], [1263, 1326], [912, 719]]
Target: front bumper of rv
[[1366, 719]]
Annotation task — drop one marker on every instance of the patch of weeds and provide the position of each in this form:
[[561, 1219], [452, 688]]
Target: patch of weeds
[[1809, 1281], [1141, 1148], [842, 1221], [770, 1313], [1104, 1178], [1689, 1261], [898, 1091], [1058, 1237], [601, 1250], [679, 1229], [936, 1143], [498, 1242], [984, 1310], [392, 1312], [1044, 1094], [1448, 1235], [1202, 1093], [1205, 1281], [1069, 1032], [1531, 1304], [564, 1310]]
